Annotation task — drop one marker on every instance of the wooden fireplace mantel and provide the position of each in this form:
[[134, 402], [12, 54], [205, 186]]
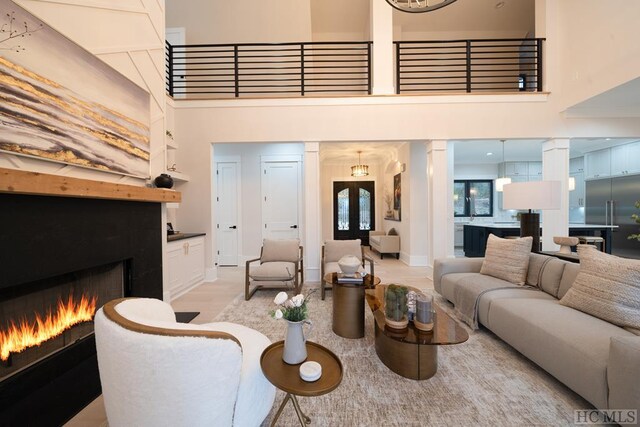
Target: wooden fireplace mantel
[[16, 181]]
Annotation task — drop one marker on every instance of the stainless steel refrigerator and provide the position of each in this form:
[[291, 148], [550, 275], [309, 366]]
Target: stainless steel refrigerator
[[612, 202]]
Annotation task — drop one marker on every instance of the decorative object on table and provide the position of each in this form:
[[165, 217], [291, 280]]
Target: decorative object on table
[[356, 277], [416, 6], [67, 105], [294, 311], [424, 312], [565, 243], [163, 181], [349, 264], [395, 306], [636, 218], [388, 200], [397, 196], [411, 305], [169, 134], [170, 230], [532, 195], [310, 371]]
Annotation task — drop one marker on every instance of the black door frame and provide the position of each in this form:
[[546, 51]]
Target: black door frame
[[354, 210]]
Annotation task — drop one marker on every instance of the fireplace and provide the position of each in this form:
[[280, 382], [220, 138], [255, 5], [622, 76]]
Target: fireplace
[[54, 248]]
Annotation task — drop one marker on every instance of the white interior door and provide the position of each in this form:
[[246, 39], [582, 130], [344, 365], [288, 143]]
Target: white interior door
[[280, 198], [227, 185]]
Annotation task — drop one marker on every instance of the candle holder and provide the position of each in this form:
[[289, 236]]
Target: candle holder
[[425, 314]]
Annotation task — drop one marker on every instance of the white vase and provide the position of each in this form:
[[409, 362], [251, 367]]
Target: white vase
[[349, 264], [295, 348]]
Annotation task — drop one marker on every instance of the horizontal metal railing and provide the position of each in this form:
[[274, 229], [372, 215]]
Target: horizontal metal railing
[[316, 68], [268, 69], [497, 65]]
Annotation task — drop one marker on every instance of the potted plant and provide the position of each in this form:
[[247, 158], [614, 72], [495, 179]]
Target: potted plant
[[388, 199], [636, 218], [395, 307]]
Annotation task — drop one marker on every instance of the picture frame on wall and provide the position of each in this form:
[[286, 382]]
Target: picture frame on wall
[[397, 195]]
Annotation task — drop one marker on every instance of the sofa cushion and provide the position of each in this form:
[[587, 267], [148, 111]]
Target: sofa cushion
[[507, 259], [570, 345], [336, 249], [280, 250], [537, 263], [607, 287], [569, 275], [487, 299], [273, 271], [551, 276], [374, 240], [450, 281]]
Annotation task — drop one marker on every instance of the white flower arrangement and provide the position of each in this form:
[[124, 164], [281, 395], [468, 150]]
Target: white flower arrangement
[[293, 309]]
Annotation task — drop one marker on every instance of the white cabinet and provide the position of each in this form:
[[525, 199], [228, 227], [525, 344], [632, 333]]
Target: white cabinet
[[535, 169], [576, 165], [185, 265], [517, 168], [597, 164], [458, 234], [625, 159], [576, 197]]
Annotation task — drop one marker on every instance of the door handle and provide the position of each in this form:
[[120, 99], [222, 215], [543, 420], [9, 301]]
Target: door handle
[[293, 226], [606, 213], [611, 207], [233, 227]]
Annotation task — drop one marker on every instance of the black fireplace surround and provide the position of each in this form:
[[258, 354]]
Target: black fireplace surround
[[44, 237]]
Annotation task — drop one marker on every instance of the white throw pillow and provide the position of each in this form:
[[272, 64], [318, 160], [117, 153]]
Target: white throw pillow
[[507, 259], [607, 287]]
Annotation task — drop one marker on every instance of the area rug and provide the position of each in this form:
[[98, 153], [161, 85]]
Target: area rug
[[481, 382]]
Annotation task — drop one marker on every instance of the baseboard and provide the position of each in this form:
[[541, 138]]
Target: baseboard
[[211, 274], [312, 275], [418, 261]]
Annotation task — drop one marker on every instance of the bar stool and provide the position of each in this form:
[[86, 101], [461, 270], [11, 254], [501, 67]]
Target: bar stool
[[592, 240]]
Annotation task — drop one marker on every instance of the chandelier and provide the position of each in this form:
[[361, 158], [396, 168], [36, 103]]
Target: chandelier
[[501, 182], [418, 6], [359, 169]]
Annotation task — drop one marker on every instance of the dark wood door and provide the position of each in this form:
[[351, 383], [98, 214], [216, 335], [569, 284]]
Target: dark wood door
[[353, 210]]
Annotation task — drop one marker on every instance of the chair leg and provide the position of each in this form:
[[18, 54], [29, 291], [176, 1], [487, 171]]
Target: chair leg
[[322, 289]]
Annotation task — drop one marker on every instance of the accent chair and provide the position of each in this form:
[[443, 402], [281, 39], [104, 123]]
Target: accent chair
[[281, 264]]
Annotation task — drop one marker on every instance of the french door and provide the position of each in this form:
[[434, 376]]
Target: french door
[[353, 210]]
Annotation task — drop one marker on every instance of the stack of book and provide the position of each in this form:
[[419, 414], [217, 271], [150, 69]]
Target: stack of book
[[350, 278]]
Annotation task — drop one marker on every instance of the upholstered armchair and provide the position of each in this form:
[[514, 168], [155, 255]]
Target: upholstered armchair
[[155, 371], [385, 243], [280, 265], [332, 251]]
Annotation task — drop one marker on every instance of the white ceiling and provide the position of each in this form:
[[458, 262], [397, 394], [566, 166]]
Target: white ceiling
[[372, 152]]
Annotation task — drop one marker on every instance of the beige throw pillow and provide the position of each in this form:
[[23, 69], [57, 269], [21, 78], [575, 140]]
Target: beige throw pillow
[[507, 259], [607, 287]]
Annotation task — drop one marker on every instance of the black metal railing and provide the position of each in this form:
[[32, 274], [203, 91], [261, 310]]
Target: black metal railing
[[497, 65], [268, 69]]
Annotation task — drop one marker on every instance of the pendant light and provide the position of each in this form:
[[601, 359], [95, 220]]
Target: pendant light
[[359, 169], [501, 182]]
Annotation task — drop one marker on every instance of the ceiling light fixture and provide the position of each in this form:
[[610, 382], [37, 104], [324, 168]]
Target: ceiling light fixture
[[419, 6], [359, 169], [489, 153], [501, 182]]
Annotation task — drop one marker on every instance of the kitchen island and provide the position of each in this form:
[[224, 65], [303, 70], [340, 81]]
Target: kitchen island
[[476, 235]]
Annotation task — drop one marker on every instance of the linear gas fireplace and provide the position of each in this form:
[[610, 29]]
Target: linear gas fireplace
[[62, 256], [43, 317]]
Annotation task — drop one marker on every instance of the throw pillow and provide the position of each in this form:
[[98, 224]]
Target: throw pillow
[[507, 259], [607, 287], [392, 232]]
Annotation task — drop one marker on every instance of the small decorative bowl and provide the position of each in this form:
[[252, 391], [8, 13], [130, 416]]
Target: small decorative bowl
[[310, 371], [349, 264]]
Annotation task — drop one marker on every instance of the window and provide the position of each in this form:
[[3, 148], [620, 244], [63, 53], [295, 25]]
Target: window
[[473, 197]]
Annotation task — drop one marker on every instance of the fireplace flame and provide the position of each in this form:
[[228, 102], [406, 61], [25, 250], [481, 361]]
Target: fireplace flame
[[30, 334]]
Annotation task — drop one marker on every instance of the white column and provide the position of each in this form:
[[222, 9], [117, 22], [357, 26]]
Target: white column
[[439, 200], [418, 205], [312, 224], [382, 51], [555, 167]]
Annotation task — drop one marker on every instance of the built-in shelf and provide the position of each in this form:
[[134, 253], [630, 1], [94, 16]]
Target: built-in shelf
[[171, 143], [16, 181], [179, 176]]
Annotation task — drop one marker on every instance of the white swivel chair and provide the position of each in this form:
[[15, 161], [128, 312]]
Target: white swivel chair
[[157, 372]]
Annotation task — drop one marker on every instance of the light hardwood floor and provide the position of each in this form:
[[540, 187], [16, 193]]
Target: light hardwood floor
[[212, 297]]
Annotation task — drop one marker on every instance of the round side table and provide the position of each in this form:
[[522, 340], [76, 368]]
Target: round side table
[[348, 305], [287, 377]]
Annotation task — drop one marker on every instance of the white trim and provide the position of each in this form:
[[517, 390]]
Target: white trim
[[418, 260], [211, 274], [311, 275], [276, 158], [124, 49]]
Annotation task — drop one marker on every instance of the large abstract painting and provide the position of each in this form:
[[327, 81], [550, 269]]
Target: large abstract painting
[[61, 103]]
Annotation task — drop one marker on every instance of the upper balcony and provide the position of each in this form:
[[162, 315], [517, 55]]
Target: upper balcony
[[336, 68]]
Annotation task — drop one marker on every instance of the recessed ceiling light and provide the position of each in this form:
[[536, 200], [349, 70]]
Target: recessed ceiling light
[[499, 5], [489, 153], [607, 139]]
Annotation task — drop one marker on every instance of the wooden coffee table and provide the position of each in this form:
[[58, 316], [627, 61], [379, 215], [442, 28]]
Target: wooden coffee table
[[412, 353], [287, 377], [348, 305]]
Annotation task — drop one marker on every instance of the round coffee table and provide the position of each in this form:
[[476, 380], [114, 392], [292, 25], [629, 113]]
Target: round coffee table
[[287, 377], [348, 305]]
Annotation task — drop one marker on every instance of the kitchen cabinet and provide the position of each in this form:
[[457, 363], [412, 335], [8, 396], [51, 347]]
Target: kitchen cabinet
[[185, 265], [597, 164], [458, 234], [576, 197], [517, 168], [624, 159], [576, 165], [535, 169]]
